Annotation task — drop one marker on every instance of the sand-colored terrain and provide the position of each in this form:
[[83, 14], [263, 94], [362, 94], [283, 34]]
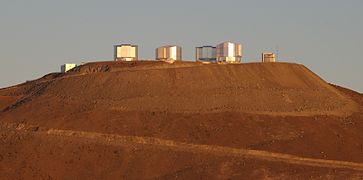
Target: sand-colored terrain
[[144, 119]]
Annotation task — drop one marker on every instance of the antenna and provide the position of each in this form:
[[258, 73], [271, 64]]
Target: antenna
[[277, 52]]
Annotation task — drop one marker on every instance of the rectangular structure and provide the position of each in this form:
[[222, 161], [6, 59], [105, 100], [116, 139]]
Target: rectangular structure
[[205, 54], [67, 67], [229, 52], [125, 52], [268, 57], [168, 53]]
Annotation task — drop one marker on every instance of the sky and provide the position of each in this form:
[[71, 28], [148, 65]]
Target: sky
[[37, 36]]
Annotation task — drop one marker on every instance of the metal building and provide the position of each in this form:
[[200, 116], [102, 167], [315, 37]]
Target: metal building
[[229, 52], [205, 54], [125, 52], [67, 67], [168, 53], [268, 57]]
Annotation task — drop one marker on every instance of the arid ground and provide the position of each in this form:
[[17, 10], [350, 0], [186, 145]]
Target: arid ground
[[154, 120]]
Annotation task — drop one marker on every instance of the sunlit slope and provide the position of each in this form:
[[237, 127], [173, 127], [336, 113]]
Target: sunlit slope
[[153, 119], [273, 88]]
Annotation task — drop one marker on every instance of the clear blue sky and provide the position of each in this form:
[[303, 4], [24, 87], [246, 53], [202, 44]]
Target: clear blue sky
[[37, 36]]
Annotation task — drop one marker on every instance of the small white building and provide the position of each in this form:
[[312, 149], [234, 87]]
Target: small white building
[[229, 52], [268, 57], [67, 67], [125, 52], [169, 53]]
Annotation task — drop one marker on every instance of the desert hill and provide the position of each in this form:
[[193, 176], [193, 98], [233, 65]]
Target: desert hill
[[157, 120], [271, 88]]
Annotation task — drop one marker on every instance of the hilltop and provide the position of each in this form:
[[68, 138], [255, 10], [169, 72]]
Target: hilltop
[[150, 119]]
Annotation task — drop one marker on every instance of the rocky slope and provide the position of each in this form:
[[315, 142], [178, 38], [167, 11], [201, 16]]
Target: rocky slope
[[183, 120]]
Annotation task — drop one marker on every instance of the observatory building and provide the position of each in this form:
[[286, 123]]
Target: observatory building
[[168, 53], [229, 52], [67, 67], [268, 57], [205, 54], [125, 52]]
